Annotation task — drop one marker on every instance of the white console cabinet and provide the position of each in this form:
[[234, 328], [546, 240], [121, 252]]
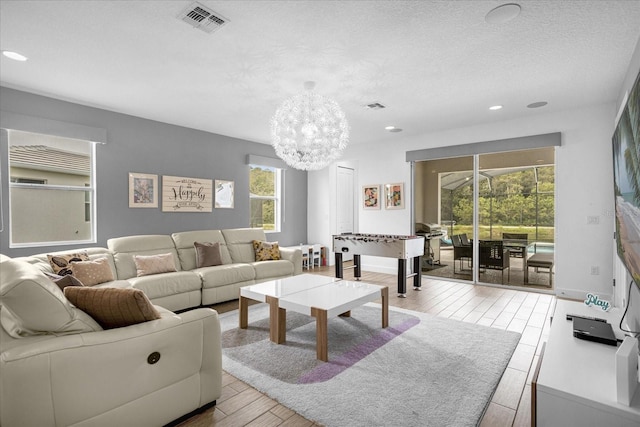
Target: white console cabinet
[[576, 381]]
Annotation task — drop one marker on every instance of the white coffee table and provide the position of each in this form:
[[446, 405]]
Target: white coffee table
[[332, 299], [318, 296], [270, 292]]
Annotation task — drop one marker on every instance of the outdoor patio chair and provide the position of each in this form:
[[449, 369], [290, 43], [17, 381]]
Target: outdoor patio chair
[[461, 251], [494, 256], [516, 243]]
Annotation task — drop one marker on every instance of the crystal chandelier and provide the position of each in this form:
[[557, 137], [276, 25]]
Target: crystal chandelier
[[309, 131]]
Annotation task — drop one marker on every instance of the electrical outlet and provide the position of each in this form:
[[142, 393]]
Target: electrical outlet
[[595, 270]]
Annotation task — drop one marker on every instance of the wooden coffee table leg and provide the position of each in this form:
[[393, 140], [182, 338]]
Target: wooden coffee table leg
[[277, 321], [243, 308], [322, 351], [385, 306]]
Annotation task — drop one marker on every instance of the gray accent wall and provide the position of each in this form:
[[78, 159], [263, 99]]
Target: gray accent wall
[[144, 146]]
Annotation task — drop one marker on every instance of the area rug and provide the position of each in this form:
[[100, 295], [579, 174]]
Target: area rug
[[422, 370]]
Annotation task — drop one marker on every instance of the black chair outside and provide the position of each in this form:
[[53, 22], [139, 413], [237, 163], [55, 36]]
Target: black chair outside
[[461, 251], [516, 243], [494, 256]]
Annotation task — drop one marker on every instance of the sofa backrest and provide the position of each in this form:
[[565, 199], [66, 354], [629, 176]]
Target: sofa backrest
[[186, 251], [33, 305], [124, 248], [240, 243]]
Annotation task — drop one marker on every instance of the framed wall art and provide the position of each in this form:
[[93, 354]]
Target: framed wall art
[[371, 196], [143, 190], [394, 196], [224, 194], [181, 194]]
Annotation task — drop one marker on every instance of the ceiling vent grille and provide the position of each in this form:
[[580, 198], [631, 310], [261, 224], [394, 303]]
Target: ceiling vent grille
[[203, 18], [374, 106]]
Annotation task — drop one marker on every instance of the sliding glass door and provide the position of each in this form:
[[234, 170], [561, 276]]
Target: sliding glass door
[[493, 212], [443, 209]]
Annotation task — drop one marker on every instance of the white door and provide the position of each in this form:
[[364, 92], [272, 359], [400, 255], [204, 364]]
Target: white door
[[345, 203]]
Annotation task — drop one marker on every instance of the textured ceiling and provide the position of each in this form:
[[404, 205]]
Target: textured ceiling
[[433, 64]]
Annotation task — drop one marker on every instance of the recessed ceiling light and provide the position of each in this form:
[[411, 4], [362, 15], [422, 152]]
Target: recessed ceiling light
[[14, 55], [503, 13], [496, 107], [393, 129], [537, 104]]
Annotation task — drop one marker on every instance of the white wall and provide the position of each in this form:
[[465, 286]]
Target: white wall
[[584, 188]]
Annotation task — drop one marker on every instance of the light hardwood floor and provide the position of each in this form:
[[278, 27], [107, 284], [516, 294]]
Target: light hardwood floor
[[524, 312]]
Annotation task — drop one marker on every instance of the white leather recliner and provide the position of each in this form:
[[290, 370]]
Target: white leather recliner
[[67, 371]]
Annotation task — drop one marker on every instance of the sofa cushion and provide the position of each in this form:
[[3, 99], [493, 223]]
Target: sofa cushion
[[147, 265], [111, 307], [60, 263], [272, 269], [92, 273], [240, 243], [124, 248], [207, 254], [167, 284], [34, 305], [185, 240], [226, 274]]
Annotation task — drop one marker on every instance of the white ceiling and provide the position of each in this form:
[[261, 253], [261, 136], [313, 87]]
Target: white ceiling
[[433, 64]]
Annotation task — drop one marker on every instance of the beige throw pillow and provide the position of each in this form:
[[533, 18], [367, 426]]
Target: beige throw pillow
[[207, 254], [266, 251], [154, 264], [61, 263], [113, 307], [92, 272]]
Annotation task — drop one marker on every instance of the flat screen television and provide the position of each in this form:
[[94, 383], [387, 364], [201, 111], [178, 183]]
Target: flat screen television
[[626, 173]]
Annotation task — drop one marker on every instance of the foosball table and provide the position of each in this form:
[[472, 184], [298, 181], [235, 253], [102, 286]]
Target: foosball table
[[391, 246]]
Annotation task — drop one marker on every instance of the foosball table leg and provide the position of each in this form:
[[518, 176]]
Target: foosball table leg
[[417, 271], [402, 278], [357, 266]]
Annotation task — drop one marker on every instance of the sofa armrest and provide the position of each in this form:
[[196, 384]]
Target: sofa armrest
[[295, 256], [69, 379]]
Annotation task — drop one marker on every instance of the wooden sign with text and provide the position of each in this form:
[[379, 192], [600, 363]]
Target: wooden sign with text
[[181, 194]]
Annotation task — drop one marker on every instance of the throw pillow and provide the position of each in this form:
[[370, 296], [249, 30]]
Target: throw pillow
[[207, 254], [112, 307], [60, 263], [266, 251], [92, 272], [64, 281], [154, 264]]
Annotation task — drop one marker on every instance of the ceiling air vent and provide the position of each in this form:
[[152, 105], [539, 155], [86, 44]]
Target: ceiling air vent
[[203, 18], [374, 106]]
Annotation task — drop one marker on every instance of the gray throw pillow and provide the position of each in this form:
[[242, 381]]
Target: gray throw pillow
[[64, 281], [207, 254]]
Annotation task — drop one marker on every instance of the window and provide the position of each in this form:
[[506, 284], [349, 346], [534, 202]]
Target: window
[[51, 190], [265, 197]]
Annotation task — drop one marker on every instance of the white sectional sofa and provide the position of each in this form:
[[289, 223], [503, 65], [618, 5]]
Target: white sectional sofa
[[59, 367], [189, 286]]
